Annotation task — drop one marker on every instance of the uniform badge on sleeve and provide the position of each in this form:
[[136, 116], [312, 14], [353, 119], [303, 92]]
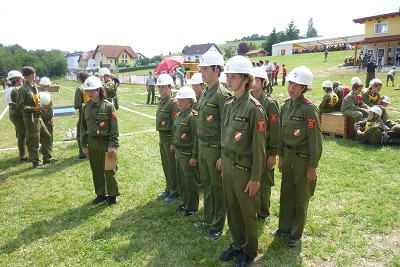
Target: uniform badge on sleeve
[[297, 132], [261, 126], [237, 136], [311, 123]]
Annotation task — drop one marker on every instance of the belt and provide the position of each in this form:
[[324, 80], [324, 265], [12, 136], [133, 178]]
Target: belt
[[233, 155], [184, 148]]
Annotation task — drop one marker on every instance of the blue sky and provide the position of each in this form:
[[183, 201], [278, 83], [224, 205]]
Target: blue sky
[[160, 27]]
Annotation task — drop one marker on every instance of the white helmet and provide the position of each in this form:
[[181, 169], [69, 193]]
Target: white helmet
[[376, 110], [375, 81], [386, 99], [239, 64], [45, 98], [104, 71], [186, 92], [165, 79], [14, 74], [44, 81], [92, 83], [327, 84], [301, 75], [196, 79], [355, 80], [211, 58], [222, 77]]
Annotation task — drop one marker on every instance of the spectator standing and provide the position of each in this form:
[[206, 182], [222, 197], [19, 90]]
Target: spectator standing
[[326, 54], [299, 150], [397, 57], [150, 86], [284, 71], [99, 137], [360, 60], [15, 115], [380, 59], [275, 73], [390, 76], [370, 71], [269, 68]]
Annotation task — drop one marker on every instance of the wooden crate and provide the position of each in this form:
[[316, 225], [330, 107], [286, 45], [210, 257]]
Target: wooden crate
[[52, 88], [336, 124]]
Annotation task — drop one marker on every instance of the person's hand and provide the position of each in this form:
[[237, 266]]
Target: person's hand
[[359, 132], [280, 163], [218, 164], [271, 161], [252, 187], [311, 174], [193, 162], [111, 152], [86, 151]]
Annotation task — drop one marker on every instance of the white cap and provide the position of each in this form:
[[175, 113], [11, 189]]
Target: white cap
[[14, 74], [44, 81]]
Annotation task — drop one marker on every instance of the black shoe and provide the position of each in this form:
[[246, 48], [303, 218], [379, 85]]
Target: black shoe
[[213, 234], [81, 158], [99, 199], [243, 259], [39, 166], [294, 242], [228, 254], [112, 201], [189, 213], [50, 161], [279, 232], [180, 208]]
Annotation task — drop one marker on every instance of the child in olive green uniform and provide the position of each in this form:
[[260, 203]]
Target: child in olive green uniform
[[243, 161], [271, 148], [370, 129], [79, 100], [109, 87], [165, 116], [185, 146], [47, 116], [350, 105], [99, 135], [371, 97], [300, 149], [330, 99]]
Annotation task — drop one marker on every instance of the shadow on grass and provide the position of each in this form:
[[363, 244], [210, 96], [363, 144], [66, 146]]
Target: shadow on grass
[[12, 162], [46, 228], [279, 254]]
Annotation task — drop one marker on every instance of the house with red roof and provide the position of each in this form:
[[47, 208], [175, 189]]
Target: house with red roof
[[111, 55]]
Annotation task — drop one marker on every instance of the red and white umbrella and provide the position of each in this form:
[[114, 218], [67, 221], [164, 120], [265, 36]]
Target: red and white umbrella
[[167, 66]]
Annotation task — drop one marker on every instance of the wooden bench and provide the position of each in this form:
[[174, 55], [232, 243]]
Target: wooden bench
[[336, 124], [52, 88]]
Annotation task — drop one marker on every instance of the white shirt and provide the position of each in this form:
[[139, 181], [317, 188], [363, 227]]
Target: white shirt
[[150, 80], [8, 95], [269, 67]]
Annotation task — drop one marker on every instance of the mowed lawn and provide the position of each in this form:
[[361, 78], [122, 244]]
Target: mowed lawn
[[47, 218]]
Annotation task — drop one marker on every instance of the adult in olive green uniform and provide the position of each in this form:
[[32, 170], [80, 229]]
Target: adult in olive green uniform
[[15, 115], [47, 116], [329, 100], [371, 97], [79, 100], [99, 135], [109, 87], [198, 86], [36, 132], [165, 116], [209, 129], [271, 145], [350, 106], [243, 161], [370, 129], [300, 149], [185, 145]]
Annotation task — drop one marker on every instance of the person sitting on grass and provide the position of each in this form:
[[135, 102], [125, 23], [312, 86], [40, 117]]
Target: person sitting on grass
[[371, 96], [370, 130], [330, 99]]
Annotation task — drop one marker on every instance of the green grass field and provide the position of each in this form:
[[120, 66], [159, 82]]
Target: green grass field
[[47, 218]]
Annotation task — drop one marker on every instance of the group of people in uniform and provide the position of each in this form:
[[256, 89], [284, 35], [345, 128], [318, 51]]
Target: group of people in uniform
[[225, 139], [365, 106], [31, 112]]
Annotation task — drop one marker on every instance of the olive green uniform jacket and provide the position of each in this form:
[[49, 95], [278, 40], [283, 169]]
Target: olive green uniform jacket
[[351, 109], [79, 100], [16, 118], [111, 91]]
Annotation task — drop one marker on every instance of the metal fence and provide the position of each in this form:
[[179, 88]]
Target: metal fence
[[123, 78]]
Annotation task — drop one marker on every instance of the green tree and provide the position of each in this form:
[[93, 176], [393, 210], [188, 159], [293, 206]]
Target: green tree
[[291, 32], [243, 48], [229, 52], [311, 31], [253, 46]]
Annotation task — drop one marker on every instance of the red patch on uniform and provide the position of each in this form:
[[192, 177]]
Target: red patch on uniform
[[113, 115], [183, 136], [297, 132], [163, 123], [273, 117], [174, 114], [210, 118], [195, 112], [102, 124], [261, 126], [307, 101], [238, 135], [311, 123], [256, 102]]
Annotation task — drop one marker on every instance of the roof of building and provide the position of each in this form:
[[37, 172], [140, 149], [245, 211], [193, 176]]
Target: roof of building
[[114, 51], [377, 17], [333, 40], [200, 48], [256, 51]]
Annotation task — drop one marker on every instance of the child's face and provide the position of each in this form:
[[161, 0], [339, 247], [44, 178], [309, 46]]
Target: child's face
[[184, 103], [164, 90], [371, 115]]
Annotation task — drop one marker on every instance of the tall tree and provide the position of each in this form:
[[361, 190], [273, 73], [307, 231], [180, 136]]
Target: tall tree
[[229, 52], [311, 31], [291, 32], [243, 48]]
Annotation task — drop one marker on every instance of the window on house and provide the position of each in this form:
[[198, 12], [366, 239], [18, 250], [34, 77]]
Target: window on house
[[102, 54], [381, 27], [124, 56]]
